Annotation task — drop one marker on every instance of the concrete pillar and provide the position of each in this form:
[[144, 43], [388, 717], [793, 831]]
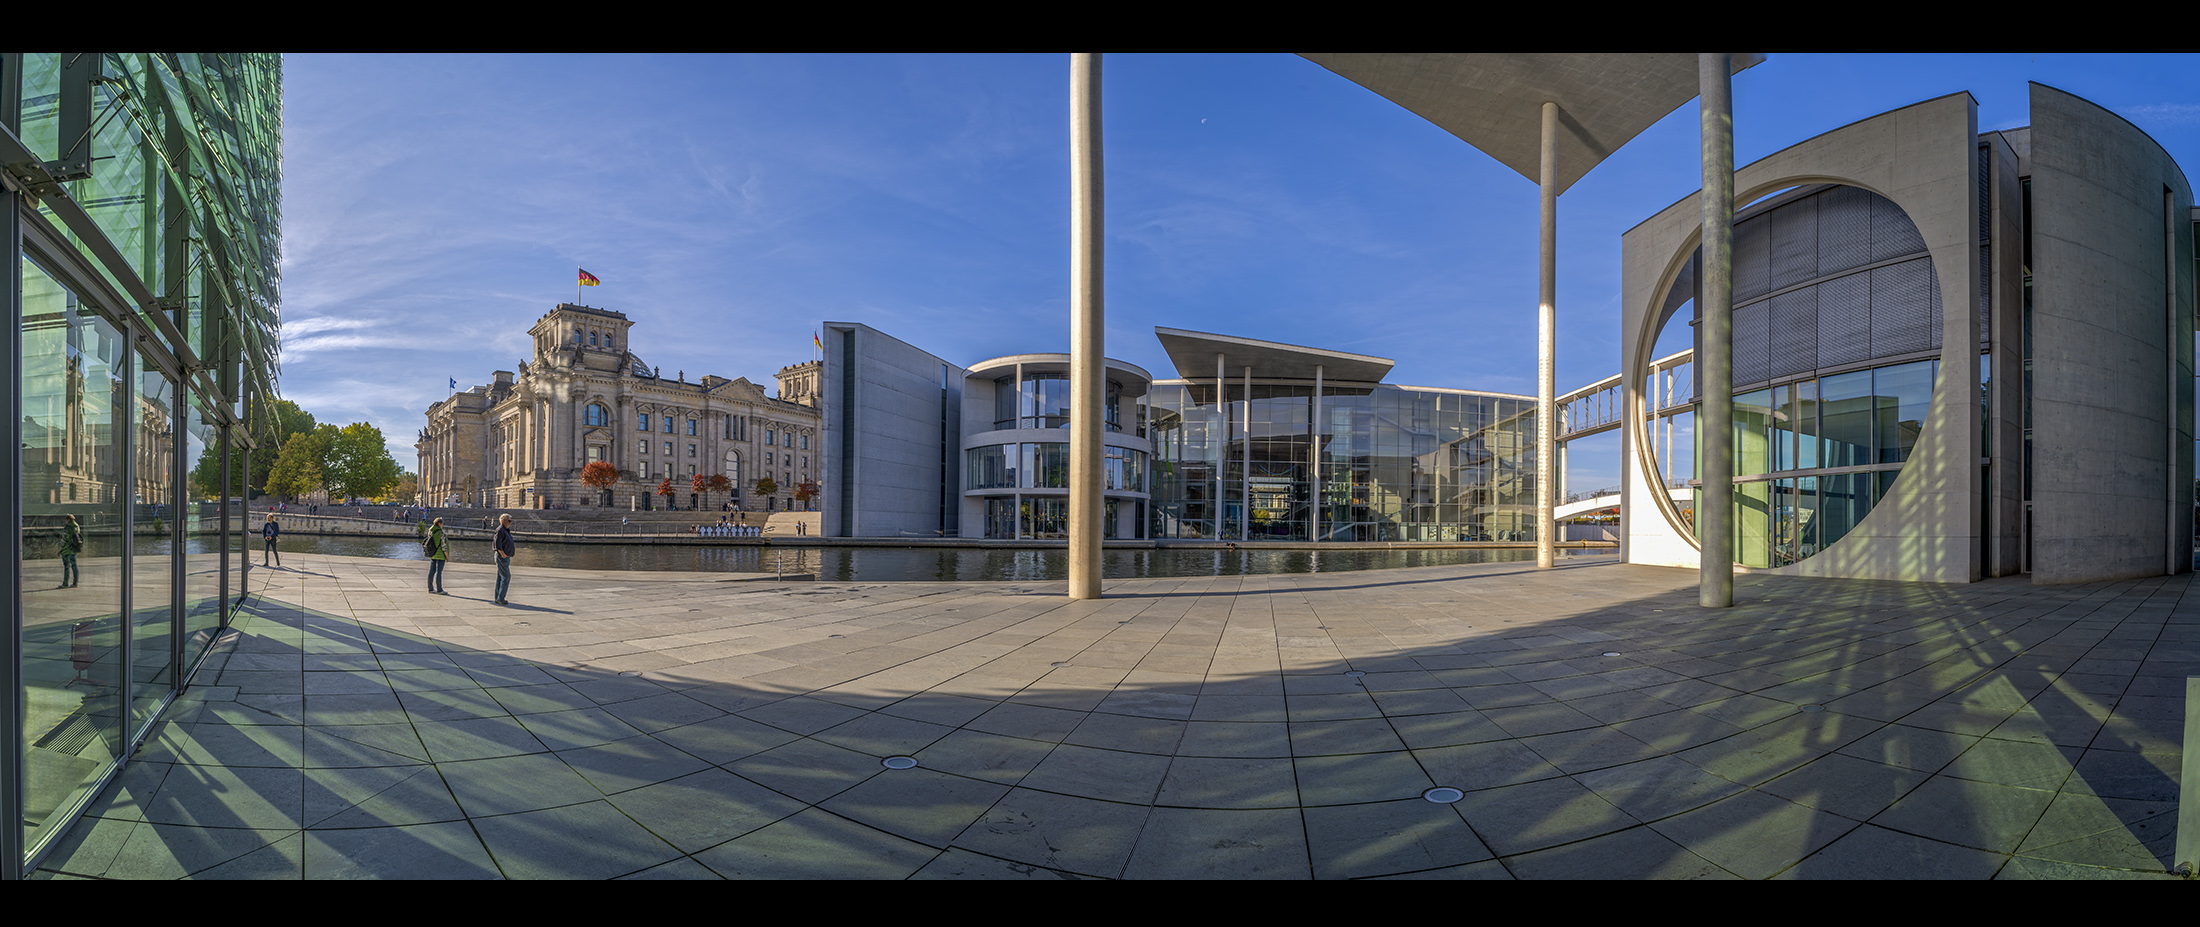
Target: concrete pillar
[[1222, 444], [1245, 471], [1088, 375], [1314, 440], [1715, 360], [1546, 348]]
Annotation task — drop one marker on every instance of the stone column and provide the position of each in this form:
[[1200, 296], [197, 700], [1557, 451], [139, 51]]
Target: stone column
[[1715, 430], [1088, 373]]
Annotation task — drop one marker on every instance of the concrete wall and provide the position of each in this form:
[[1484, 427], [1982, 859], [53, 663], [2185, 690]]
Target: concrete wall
[[2112, 347], [884, 412], [1924, 158]]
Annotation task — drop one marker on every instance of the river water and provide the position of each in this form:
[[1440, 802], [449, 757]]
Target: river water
[[934, 564]]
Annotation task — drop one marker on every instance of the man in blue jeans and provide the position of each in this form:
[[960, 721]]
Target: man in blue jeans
[[505, 550]]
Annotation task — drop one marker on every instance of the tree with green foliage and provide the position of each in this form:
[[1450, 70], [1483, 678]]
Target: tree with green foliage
[[297, 469], [206, 474], [408, 488], [273, 424], [359, 462]]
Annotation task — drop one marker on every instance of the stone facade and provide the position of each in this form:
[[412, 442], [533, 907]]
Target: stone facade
[[520, 441]]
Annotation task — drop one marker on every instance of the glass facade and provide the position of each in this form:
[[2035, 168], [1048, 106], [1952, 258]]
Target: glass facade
[[144, 335], [1044, 402], [1812, 457], [1357, 463]]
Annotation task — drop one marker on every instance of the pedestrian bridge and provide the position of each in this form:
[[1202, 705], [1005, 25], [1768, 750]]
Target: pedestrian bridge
[[1609, 499]]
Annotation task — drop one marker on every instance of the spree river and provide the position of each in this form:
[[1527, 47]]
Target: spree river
[[936, 564]]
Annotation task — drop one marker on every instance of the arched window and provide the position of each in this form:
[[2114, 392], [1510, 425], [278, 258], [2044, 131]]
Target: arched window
[[596, 415]]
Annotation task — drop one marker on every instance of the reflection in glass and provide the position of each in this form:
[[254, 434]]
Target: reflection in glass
[[202, 562], [1863, 423], [72, 377], [153, 529], [1392, 464]]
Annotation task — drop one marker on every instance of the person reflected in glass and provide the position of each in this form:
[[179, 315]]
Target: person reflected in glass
[[72, 543]]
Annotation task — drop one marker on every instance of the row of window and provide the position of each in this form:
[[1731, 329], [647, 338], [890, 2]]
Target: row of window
[[736, 427]]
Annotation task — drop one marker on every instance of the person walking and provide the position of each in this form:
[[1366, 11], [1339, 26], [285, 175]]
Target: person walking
[[72, 543], [505, 551], [270, 531], [439, 550]]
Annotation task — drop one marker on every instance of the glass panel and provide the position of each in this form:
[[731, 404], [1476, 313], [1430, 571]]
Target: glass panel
[[202, 542], [1753, 433], [153, 524], [1847, 498], [72, 377], [989, 468], [239, 534], [1806, 425], [1901, 396], [1845, 406]]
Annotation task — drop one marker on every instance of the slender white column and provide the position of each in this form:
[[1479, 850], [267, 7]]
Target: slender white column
[[1715, 430], [1088, 375], [1546, 350], [1245, 469], [1314, 440], [1222, 444]]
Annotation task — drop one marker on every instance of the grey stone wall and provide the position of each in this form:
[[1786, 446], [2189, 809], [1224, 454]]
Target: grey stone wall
[[888, 419], [2111, 347]]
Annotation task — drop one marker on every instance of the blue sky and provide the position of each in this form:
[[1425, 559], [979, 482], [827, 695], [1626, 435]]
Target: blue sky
[[435, 206]]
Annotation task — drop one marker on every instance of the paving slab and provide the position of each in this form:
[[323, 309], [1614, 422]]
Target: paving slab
[[1594, 721]]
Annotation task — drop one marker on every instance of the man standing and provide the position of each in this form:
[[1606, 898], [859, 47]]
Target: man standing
[[72, 543], [270, 531], [505, 550]]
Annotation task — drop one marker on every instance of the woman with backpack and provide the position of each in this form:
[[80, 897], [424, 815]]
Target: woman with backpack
[[439, 550]]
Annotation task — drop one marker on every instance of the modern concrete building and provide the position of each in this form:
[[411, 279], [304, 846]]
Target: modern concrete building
[[1955, 354], [1255, 441], [143, 203], [521, 441]]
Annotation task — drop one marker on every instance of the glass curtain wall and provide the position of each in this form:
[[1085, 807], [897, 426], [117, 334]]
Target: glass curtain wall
[[1393, 464], [146, 315], [1811, 458]]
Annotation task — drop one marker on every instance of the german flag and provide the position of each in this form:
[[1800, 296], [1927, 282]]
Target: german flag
[[589, 279]]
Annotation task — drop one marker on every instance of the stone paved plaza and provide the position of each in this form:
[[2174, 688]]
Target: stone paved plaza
[[1597, 722]]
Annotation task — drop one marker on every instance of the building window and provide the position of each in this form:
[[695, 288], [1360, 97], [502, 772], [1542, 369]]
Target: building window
[[645, 469], [771, 438], [768, 461], [642, 422], [644, 447], [691, 450], [596, 415], [668, 449], [805, 442], [691, 428], [668, 424]]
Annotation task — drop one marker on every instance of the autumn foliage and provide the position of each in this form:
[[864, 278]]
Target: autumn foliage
[[600, 474]]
